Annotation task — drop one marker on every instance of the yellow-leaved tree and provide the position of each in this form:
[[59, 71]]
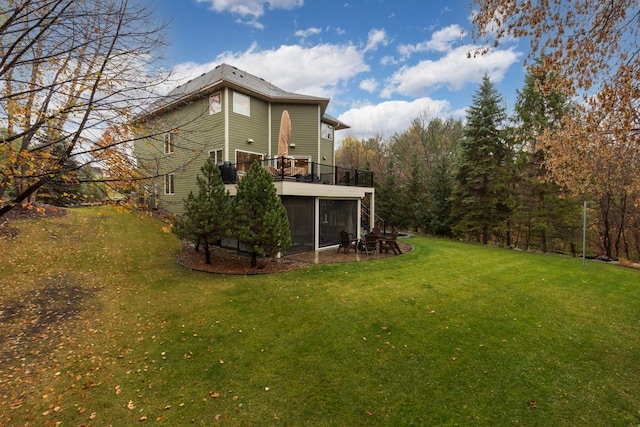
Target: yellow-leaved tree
[[68, 70]]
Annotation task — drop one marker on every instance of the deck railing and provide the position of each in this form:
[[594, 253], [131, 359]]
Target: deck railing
[[300, 170]]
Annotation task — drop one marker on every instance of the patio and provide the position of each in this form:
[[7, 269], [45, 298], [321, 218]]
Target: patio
[[227, 261], [331, 255]]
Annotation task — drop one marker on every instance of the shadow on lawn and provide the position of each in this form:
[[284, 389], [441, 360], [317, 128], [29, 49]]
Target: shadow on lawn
[[36, 322]]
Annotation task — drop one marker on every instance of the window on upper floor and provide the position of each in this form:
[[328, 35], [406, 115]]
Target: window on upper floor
[[326, 131], [169, 142], [245, 158], [241, 104], [169, 184], [215, 103]]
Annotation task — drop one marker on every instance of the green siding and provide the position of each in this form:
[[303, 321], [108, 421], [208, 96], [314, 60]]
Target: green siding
[[255, 127], [327, 148], [304, 129], [196, 133]]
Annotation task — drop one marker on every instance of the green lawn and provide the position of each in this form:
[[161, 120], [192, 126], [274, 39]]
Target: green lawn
[[99, 326]]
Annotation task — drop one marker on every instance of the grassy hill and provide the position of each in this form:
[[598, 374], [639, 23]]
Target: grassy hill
[[100, 325]]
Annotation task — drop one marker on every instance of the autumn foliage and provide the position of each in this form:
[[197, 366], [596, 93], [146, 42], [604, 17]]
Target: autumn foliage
[[68, 70], [591, 50]]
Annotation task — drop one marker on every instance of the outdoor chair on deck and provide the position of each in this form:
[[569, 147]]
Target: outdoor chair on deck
[[346, 242]]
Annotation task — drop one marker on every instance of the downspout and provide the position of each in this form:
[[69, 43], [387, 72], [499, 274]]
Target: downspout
[[318, 155], [226, 125], [269, 132]]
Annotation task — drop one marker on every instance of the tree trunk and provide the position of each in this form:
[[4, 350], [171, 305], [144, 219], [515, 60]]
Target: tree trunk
[[23, 196], [605, 206], [207, 253], [543, 240]]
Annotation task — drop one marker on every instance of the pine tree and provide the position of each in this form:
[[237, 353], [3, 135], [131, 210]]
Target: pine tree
[[439, 187], [207, 217], [261, 220], [390, 199], [480, 206], [541, 201]]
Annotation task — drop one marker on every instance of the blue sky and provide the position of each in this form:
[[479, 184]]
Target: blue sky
[[382, 62]]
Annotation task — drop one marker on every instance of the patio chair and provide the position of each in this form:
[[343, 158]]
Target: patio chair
[[370, 243], [391, 242], [346, 242]]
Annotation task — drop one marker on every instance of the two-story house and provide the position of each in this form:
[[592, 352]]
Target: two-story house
[[237, 118]]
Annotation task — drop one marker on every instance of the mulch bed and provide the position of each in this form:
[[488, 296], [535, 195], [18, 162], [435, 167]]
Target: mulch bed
[[224, 261]]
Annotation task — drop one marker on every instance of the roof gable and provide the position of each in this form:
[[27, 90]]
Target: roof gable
[[225, 75]]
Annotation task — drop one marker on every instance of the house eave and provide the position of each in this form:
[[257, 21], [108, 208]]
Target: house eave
[[302, 189]]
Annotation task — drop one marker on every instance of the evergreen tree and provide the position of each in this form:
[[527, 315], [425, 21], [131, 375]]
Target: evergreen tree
[[541, 201], [261, 220], [207, 217], [480, 207], [416, 193], [442, 142], [390, 198], [437, 218]]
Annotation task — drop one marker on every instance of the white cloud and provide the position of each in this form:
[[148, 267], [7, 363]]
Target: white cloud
[[308, 32], [251, 23], [391, 117], [315, 71], [376, 37], [454, 70], [441, 41], [370, 85], [388, 60], [253, 8]]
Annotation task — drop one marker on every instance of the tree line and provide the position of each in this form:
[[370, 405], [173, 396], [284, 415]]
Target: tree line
[[491, 179]]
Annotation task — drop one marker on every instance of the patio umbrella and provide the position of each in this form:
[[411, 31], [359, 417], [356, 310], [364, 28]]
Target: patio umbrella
[[285, 134]]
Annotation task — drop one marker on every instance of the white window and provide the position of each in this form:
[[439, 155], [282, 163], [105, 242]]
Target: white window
[[169, 184], [301, 163], [326, 131], [241, 104], [216, 155], [215, 103], [169, 144], [244, 159]]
